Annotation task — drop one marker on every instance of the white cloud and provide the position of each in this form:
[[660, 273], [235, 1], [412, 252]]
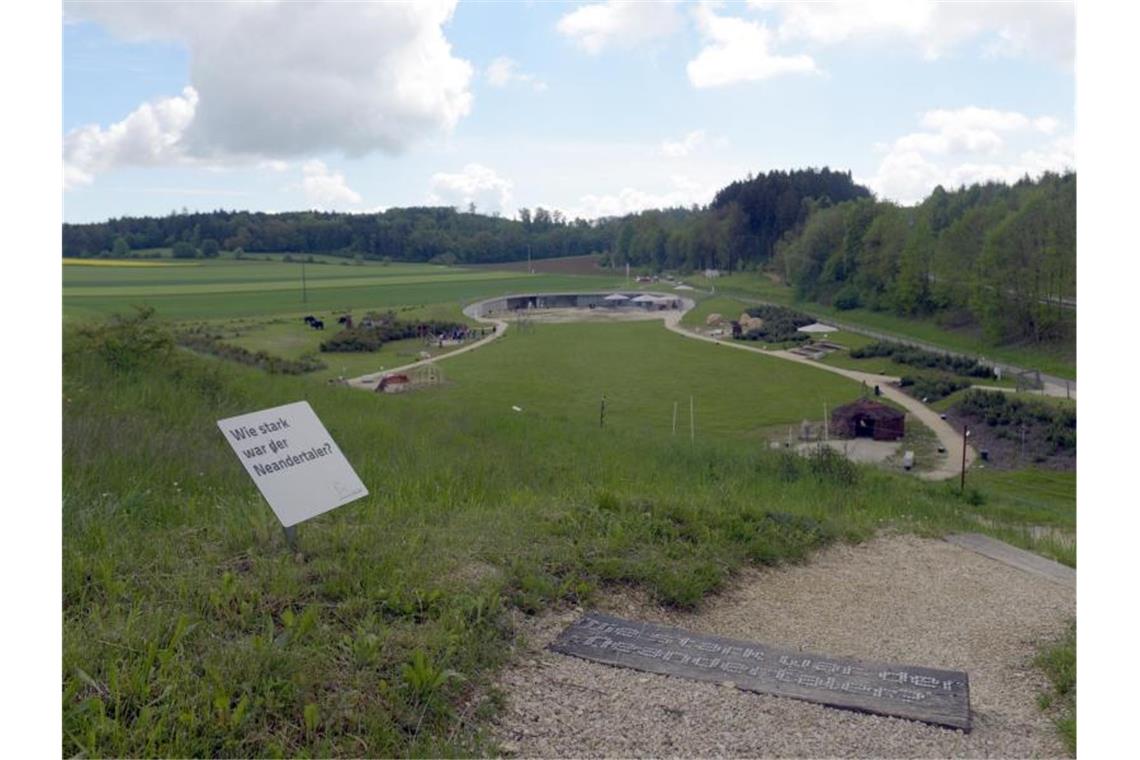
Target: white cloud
[[325, 189], [972, 117], [1006, 29], [685, 193], [282, 79], [274, 165], [476, 184], [151, 135], [1009, 142], [684, 146], [615, 23], [503, 71], [737, 50]]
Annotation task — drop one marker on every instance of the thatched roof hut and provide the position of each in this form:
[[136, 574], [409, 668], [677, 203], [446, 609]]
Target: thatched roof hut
[[867, 418]]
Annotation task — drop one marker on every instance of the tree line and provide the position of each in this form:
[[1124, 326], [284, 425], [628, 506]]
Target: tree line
[[737, 230], [438, 234], [996, 255]]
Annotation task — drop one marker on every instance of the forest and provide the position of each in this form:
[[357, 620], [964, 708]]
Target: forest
[[994, 255]]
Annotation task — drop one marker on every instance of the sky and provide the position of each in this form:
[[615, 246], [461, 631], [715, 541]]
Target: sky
[[593, 109]]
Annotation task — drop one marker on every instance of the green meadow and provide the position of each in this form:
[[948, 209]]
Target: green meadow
[[227, 288], [190, 629]]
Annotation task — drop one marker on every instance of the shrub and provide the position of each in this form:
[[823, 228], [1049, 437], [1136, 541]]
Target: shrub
[[385, 327], [917, 357], [1056, 426], [931, 388], [826, 463], [200, 340], [781, 325], [128, 342]]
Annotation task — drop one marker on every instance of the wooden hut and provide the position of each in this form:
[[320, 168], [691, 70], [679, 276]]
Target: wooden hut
[[393, 383], [867, 418]]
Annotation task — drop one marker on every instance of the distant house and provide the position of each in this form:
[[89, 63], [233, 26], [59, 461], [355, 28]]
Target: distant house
[[867, 418]]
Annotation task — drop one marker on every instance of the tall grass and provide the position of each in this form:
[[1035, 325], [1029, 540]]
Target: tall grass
[[190, 629]]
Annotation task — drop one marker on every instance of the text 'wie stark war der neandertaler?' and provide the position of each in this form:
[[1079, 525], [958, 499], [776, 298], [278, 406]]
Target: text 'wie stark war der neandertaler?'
[[293, 461]]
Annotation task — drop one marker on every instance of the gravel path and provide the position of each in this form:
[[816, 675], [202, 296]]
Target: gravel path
[[369, 381], [948, 465], [895, 599]]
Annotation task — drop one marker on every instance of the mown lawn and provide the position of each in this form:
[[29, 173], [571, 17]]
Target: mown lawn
[[561, 372]]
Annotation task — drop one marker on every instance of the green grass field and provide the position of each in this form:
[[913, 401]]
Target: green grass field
[[190, 630], [642, 370], [1054, 361], [221, 288]]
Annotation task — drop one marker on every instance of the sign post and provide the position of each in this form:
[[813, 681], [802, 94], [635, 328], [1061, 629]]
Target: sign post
[[294, 462]]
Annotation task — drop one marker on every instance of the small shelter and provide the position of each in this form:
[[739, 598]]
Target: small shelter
[[393, 383], [615, 299], [645, 301], [867, 418]]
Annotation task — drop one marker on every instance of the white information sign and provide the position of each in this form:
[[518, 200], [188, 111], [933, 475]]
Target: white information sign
[[293, 460]]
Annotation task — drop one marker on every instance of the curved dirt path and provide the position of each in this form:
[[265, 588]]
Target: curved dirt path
[[369, 381], [950, 464]]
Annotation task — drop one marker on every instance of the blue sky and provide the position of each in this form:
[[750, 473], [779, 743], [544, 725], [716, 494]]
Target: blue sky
[[588, 108]]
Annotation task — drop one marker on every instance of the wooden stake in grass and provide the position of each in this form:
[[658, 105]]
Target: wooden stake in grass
[[965, 432], [602, 416], [674, 418]]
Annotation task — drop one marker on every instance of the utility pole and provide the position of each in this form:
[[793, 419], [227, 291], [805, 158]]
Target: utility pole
[[965, 433]]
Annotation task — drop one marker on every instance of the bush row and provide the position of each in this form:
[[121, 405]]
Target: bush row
[[384, 328], [1008, 413], [210, 343], [917, 357], [931, 388], [780, 325]]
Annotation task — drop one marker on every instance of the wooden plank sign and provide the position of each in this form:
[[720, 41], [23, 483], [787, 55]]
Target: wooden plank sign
[[941, 697], [293, 461]]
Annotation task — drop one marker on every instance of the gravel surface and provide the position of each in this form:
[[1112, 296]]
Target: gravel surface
[[895, 599]]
